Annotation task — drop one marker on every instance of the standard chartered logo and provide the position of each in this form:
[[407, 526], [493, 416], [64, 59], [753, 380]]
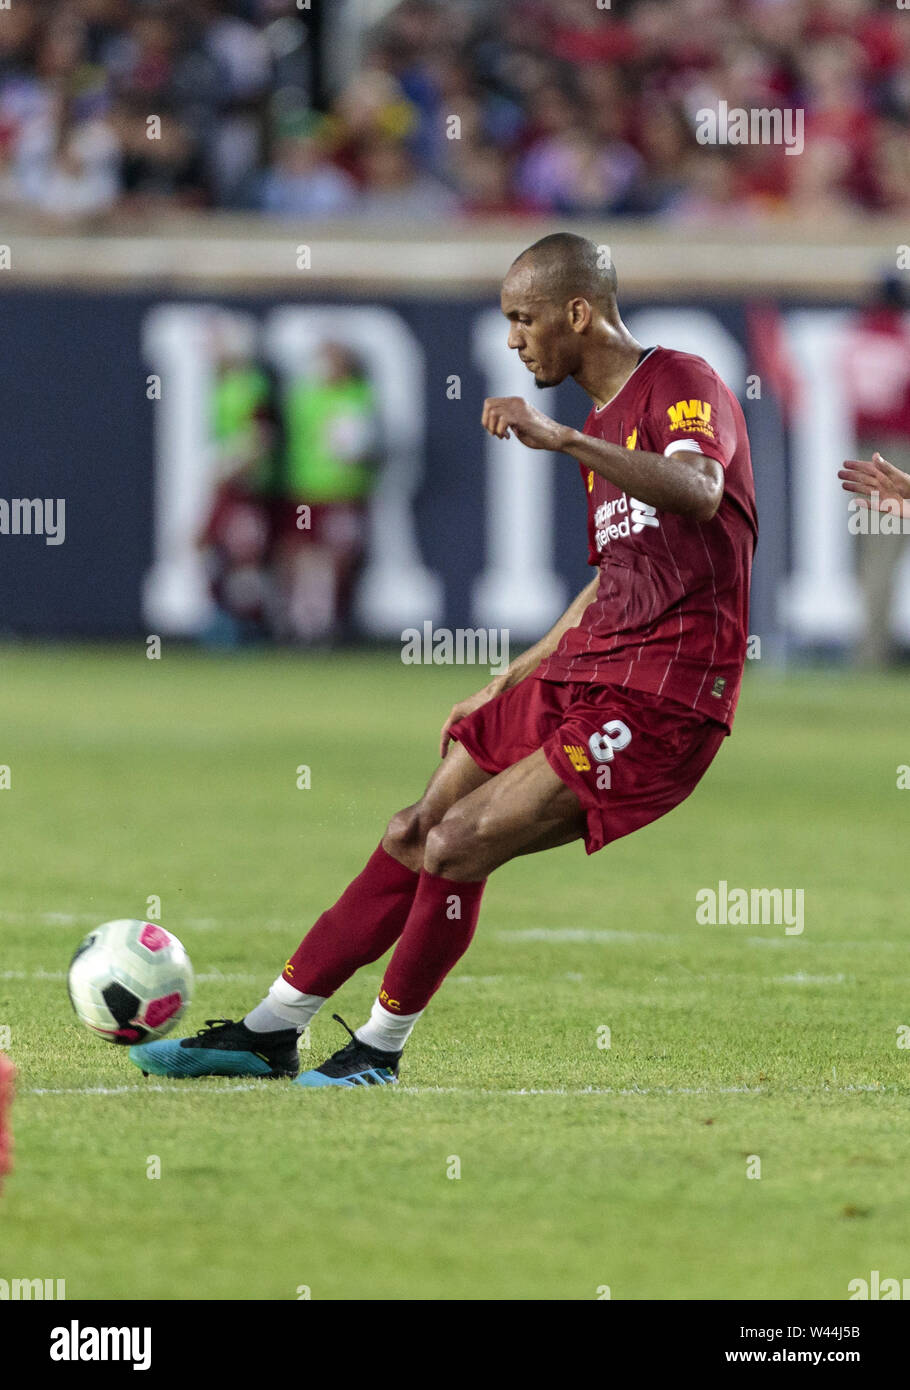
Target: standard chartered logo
[[622, 517]]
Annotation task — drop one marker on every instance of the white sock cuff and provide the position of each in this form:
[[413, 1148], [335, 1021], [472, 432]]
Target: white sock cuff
[[387, 1031], [289, 1003]]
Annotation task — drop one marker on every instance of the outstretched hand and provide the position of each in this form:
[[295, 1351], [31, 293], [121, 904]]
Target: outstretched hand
[[881, 486]]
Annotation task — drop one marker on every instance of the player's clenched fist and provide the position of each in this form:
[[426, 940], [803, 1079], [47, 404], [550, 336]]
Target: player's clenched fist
[[885, 486], [504, 416]]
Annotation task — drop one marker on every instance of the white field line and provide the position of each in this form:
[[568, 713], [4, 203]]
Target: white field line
[[801, 978], [266, 1085], [245, 977], [205, 977], [47, 919], [91, 919], [242, 977], [567, 935], [581, 934], [127, 1090], [606, 935]]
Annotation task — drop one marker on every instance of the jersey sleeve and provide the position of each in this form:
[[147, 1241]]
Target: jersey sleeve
[[689, 409]]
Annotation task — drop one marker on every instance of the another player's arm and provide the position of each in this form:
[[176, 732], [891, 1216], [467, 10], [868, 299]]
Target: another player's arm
[[687, 483], [524, 664], [882, 486]]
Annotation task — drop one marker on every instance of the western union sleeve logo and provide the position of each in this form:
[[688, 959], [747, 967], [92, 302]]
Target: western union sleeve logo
[[694, 416]]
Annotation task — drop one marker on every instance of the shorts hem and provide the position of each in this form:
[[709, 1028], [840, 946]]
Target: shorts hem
[[470, 745]]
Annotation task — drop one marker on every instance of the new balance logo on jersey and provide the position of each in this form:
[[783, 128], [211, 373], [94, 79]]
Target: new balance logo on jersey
[[577, 757], [624, 516]]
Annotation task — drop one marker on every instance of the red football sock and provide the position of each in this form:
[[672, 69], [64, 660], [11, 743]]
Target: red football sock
[[438, 932], [367, 918]]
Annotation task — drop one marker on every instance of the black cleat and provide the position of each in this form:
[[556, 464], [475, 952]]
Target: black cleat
[[355, 1064], [221, 1048]]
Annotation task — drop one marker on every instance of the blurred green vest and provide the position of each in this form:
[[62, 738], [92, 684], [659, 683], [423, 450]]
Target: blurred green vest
[[329, 440], [239, 393]]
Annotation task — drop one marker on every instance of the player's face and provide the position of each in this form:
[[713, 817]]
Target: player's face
[[539, 332]]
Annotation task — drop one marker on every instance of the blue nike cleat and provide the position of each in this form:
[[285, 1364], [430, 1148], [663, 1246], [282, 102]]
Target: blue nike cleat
[[221, 1048], [355, 1064]]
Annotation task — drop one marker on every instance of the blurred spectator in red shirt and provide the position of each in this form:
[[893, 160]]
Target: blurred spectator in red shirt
[[876, 367]]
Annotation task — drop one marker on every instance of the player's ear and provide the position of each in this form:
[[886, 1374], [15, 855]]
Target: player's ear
[[579, 315]]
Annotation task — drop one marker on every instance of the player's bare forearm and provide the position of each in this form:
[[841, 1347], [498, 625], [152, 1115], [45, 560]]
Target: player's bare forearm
[[523, 665], [686, 483]]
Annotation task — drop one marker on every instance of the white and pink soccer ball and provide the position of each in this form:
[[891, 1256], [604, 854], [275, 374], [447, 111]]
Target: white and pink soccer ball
[[130, 981]]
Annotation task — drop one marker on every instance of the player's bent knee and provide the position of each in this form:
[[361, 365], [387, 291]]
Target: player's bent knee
[[401, 829], [453, 848], [403, 838], [406, 834], [440, 850]]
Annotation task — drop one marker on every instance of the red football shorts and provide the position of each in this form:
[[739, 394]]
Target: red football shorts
[[628, 756]]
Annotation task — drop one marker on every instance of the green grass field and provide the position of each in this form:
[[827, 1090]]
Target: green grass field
[[580, 1166]]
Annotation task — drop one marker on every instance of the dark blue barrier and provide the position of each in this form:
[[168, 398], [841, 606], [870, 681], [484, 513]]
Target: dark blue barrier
[[78, 424]]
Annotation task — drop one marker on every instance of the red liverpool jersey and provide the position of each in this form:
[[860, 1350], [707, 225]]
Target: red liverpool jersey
[[672, 606]]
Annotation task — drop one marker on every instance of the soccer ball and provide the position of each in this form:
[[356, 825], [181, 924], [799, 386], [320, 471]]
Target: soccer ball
[[130, 981]]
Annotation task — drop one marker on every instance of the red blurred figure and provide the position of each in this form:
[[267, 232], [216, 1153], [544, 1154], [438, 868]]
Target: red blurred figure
[[876, 374], [7, 1088], [331, 463], [237, 535]]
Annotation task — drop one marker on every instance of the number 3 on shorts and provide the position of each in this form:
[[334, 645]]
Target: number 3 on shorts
[[616, 735]]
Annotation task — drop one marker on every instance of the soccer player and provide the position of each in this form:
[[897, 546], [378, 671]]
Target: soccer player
[[607, 723]]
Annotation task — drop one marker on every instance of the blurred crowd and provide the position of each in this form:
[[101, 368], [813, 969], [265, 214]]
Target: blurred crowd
[[563, 107]]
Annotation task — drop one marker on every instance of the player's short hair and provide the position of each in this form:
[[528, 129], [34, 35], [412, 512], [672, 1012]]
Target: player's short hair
[[570, 265]]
